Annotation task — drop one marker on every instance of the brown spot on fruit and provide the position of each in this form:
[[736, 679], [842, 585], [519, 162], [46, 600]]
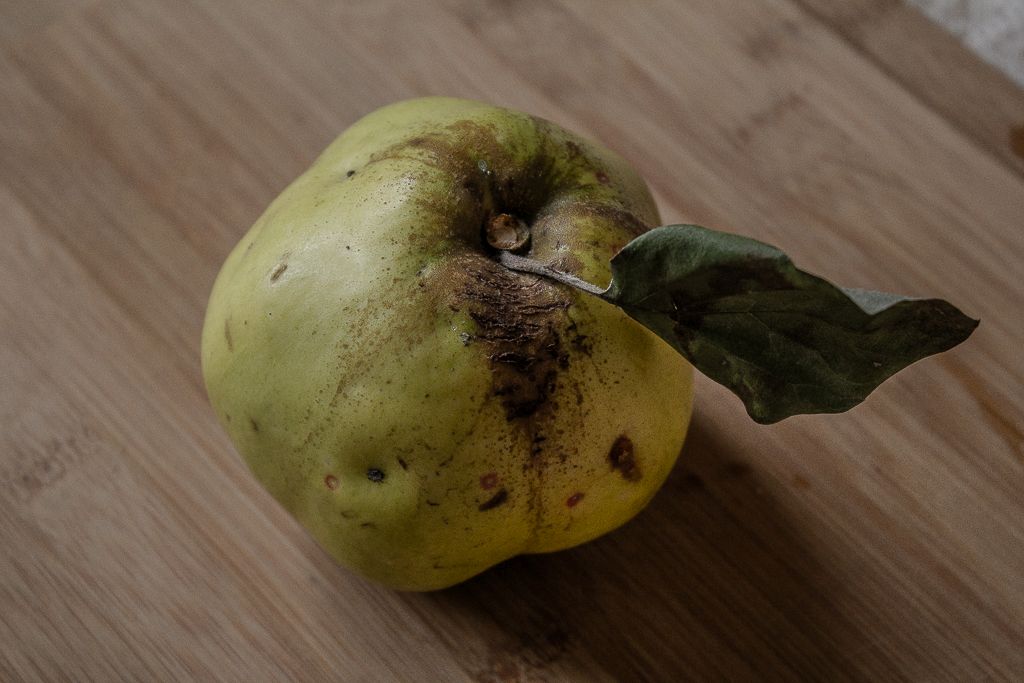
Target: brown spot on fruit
[[403, 464], [254, 424], [518, 318], [602, 177], [331, 482], [349, 174], [494, 501], [623, 459], [489, 480], [278, 271], [801, 482], [375, 475], [574, 499], [227, 334]]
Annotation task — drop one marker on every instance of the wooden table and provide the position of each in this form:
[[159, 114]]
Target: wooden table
[[139, 140]]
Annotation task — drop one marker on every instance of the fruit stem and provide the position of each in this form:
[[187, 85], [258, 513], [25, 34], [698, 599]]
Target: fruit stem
[[526, 265]]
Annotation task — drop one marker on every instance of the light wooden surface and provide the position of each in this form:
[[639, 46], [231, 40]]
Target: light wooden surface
[[994, 29], [139, 140]]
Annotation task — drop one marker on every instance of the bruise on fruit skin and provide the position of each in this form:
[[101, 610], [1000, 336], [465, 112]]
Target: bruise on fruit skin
[[623, 459], [518, 319], [494, 501], [574, 499]]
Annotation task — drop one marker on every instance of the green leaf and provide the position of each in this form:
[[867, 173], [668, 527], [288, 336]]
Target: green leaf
[[785, 341]]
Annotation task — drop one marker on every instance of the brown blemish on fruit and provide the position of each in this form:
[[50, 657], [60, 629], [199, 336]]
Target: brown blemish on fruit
[[602, 177], [801, 482], [278, 272], [349, 173], [375, 475], [623, 459], [494, 501], [489, 480], [403, 464], [1017, 141], [518, 318], [254, 424], [574, 499], [227, 334], [331, 482], [578, 341]]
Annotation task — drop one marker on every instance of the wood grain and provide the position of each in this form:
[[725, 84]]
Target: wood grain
[[931, 64], [139, 140]]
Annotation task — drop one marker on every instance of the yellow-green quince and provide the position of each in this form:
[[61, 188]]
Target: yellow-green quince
[[422, 410]]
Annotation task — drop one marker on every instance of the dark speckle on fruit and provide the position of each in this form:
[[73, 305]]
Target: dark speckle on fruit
[[494, 501], [227, 334], [489, 480], [254, 424], [517, 326], [622, 459], [349, 174], [574, 499], [375, 475], [403, 464]]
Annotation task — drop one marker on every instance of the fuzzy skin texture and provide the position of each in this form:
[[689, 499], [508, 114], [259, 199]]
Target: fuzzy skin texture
[[423, 411]]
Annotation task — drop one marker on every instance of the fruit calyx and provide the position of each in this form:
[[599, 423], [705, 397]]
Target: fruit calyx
[[506, 232]]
